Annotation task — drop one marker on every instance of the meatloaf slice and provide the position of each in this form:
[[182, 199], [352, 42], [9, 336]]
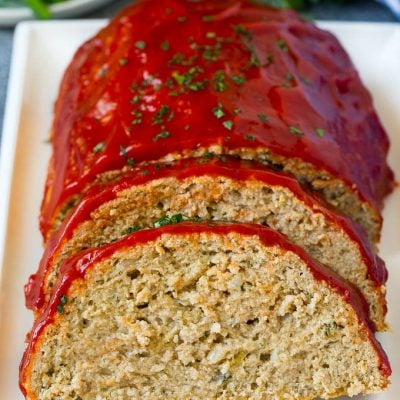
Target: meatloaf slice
[[201, 311], [211, 189], [169, 79]]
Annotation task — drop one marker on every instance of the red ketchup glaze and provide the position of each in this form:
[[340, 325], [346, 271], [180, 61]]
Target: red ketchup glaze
[[230, 168], [172, 76], [76, 267]]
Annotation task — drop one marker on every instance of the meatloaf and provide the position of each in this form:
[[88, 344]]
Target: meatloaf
[[170, 79], [214, 189], [201, 311]]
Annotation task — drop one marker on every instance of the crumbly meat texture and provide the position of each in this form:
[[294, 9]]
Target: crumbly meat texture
[[203, 316], [222, 198], [333, 190]]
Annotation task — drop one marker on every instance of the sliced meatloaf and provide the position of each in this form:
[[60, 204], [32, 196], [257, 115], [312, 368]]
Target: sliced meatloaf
[[213, 189], [201, 312], [170, 79]]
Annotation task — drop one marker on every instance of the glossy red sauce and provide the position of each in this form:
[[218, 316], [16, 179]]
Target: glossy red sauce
[[76, 267], [172, 76], [227, 167]]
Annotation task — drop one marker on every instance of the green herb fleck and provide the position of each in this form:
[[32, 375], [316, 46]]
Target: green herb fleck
[[228, 125], [263, 118], [98, 147], [282, 45], [103, 72], [237, 111], [161, 135], [123, 151], [180, 79], [130, 161], [238, 79], [254, 61], [140, 44], [207, 18], [123, 61], [227, 138], [211, 35], [144, 172], [157, 166], [270, 59], [173, 219], [63, 302], [164, 45], [241, 30], [136, 99], [218, 111], [220, 83], [249, 137], [320, 132], [305, 80], [132, 229], [182, 18], [295, 130]]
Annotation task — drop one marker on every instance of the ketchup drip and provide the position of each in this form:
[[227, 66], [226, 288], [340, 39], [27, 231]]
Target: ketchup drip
[[226, 167], [174, 76]]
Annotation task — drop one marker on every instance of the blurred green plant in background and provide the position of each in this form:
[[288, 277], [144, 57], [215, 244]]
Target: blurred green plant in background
[[40, 7]]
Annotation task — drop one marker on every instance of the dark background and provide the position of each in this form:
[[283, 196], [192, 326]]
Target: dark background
[[357, 10]]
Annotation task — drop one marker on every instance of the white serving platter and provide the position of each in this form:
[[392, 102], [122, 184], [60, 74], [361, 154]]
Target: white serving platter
[[9, 16], [42, 50]]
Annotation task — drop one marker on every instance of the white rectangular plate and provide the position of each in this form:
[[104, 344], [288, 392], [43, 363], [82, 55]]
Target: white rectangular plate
[[41, 53]]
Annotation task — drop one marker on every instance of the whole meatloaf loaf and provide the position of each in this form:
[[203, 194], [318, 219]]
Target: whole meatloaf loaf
[[171, 79], [201, 311], [213, 189]]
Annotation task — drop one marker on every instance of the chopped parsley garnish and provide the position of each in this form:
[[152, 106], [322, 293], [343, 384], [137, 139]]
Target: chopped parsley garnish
[[173, 219], [157, 166], [180, 79], [182, 18], [249, 137], [220, 83], [227, 138], [295, 130], [289, 76], [123, 152], [238, 79], [228, 125], [254, 61], [218, 111], [98, 147], [263, 118], [237, 111], [123, 61], [63, 302], [103, 72], [241, 30], [320, 132], [305, 80], [140, 44], [144, 172], [130, 161], [282, 45], [161, 135], [211, 35], [269, 58], [136, 99], [132, 229], [207, 18], [210, 53], [164, 45]]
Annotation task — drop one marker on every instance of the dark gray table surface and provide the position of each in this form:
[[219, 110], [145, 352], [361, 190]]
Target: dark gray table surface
[[358, 10]]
